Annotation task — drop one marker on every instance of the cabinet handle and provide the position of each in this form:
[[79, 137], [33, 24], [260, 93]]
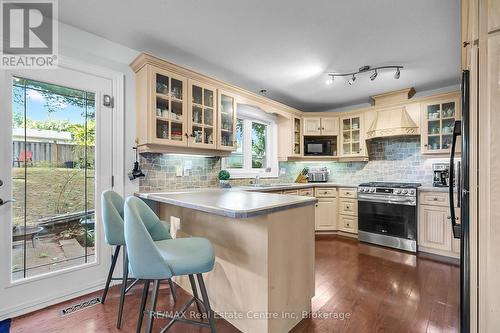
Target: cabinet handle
[[465, 44], [316, 205], [425, 145], [319, 128], [435, 199]]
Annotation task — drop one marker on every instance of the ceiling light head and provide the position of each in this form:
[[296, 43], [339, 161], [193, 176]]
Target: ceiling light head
[[374, 75], [263, 92], [364, 68], [352, 79], [397, 74], [330, 79]]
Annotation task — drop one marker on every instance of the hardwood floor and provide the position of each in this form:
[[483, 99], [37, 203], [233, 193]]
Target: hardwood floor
[[359, 288]]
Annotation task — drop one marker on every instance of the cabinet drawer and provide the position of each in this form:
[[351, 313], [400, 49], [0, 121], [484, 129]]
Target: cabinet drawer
[[348, 193], [434, 198], [348, 206], [348, 223], [291, 192], [325, 192], [277, 192], [307, 192]]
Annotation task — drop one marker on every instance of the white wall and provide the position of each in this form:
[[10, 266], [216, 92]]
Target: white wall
[[92, 49]]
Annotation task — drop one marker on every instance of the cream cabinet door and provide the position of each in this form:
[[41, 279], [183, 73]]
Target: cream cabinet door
[[312, 126], [330, 126], [434, 227], [326, 214]]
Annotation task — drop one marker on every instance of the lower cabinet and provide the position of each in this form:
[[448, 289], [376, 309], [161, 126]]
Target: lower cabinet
[[348, 210], [326, 214], [348, 223], [435, 234]]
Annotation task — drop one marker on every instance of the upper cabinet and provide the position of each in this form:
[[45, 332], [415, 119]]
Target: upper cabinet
[[438, 120], [227, 121], [178, 111], [202, 120], [352, 136], [493, 15], [297, 136], [168, 112], [321, 126]]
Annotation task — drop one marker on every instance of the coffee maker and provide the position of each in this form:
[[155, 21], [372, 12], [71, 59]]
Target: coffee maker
[[441, 173]]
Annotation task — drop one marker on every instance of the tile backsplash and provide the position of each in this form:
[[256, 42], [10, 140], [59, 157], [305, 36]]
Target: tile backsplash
[[392, 159]]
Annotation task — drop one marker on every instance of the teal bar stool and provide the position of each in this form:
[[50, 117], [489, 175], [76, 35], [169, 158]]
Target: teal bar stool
[[154, 261], [112, 217]]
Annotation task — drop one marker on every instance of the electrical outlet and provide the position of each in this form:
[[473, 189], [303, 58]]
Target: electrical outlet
[[178, 171]]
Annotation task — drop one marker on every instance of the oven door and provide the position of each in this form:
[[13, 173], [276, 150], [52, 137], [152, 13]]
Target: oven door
[[390, 219]]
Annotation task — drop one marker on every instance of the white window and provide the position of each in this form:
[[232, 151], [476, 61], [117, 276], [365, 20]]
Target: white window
[[256, 145]]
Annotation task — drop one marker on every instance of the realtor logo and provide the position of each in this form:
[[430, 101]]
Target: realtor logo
[[28, 34]]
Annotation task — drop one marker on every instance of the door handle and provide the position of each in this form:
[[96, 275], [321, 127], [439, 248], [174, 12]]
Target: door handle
[[5, 202]]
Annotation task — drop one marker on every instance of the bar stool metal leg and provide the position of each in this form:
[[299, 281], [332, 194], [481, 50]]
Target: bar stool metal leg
[[143, 305], [114, 258], [124, 288], [154, 298], [206, 303], [195, 292], [172, 290]]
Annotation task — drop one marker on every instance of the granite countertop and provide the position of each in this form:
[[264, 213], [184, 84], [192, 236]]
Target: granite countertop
[[229, 202], [290, 186], [430, 188]]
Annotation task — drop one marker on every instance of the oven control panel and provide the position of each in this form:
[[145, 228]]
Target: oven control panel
[[387, 190]]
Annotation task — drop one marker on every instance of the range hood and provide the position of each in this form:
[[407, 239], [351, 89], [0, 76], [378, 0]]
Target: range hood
[[392, 119], [392, 122]]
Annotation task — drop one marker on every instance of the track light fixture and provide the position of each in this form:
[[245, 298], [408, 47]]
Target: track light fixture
[[364, 69], [397, 74], [351, 80]]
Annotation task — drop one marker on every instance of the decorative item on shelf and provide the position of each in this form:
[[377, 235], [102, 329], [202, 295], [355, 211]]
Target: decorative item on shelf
[[364, 69], [161, 88], [136, 171], [224, 176]]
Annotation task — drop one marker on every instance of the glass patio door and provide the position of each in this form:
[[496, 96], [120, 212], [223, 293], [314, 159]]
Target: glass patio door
[[56, 157]]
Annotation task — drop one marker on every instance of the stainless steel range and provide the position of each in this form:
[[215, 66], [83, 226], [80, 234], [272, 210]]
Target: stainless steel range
[[387, 214]]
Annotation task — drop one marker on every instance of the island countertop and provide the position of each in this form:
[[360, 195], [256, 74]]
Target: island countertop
[[230, 203]]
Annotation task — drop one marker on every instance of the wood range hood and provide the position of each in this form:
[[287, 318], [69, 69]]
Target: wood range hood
[[392, 120]]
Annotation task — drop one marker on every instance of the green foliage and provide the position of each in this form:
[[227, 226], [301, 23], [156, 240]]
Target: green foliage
[[224, 175], [82, 135], [258, 144]]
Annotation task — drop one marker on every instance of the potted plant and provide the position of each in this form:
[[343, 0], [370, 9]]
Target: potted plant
[[224, 179]]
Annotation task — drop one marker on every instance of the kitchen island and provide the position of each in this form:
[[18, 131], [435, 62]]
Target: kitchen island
[[263, 279]]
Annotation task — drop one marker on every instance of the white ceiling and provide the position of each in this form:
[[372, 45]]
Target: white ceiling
[[287, 46]]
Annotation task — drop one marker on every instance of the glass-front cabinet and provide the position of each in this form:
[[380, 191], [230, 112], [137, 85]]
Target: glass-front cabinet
[[438, 120], [352, 136], [202, 119], [297, 136], [170, 108], [226, 121]]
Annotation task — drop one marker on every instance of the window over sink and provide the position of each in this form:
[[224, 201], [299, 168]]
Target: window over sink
[[256, 145]]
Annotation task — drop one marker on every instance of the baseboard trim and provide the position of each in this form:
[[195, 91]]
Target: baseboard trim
[[22, 309]]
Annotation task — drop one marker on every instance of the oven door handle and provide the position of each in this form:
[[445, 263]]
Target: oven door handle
[[397, 202]]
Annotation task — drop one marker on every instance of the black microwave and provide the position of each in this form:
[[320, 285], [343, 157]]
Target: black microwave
[[320, 146]]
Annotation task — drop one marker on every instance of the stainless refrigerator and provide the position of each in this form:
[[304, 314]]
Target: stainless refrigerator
[[460, 224]]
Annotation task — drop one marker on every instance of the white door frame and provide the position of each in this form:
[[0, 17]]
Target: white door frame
[[118, 171]]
